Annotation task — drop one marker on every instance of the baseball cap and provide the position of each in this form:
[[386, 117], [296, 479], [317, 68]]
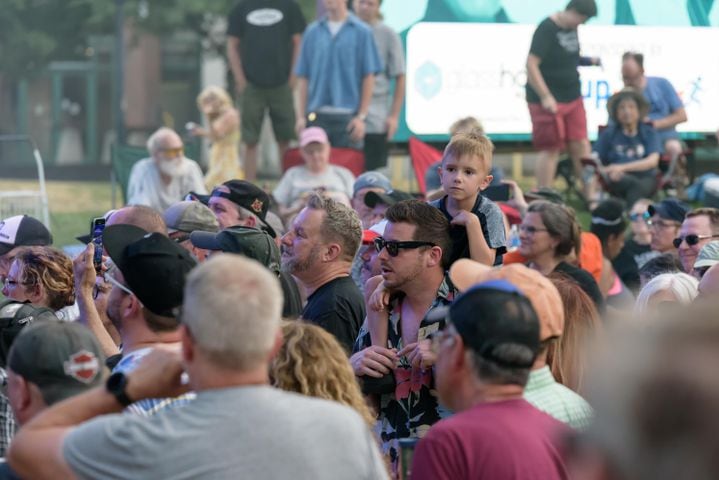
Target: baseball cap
[[313, 134], [371, 180], [249, 196], [250, 242], [492, 314], [708, 256], [22, 231], [389, 198], [187, 216], [669, 209], [62, 358], [154, 266], [545, 193], [538, 289]]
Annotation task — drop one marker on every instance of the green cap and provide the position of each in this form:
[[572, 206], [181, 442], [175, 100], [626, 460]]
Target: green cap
[[250, 242]]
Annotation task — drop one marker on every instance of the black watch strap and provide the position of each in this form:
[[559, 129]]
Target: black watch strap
[[116, 384]]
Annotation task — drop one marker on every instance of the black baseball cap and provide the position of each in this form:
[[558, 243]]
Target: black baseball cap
[[669, 209], [491, 314], [62, 358], [154, 266], [245, 194], [250, 242], [22, 231], [371, 199]]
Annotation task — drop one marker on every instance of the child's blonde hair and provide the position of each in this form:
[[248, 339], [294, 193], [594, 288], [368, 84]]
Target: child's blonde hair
[[214, 93], [464, 125], [472, 143]]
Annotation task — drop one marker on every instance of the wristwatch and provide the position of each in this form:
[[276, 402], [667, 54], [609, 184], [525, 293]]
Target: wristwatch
[[116, 385], [362, 116]]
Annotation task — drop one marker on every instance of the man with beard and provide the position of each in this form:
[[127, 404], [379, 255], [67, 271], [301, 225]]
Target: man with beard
[[148, 277], [166, 176], [318, 251], [413, 255]]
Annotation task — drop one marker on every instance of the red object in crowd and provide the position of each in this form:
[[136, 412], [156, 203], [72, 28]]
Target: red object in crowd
[[351, 159], [422, 156]]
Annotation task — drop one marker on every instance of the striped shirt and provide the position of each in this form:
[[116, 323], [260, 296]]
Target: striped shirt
[[556, 400]]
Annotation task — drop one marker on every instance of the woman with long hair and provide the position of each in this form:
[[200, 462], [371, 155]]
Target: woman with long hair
[[567, 356], [313, 363]]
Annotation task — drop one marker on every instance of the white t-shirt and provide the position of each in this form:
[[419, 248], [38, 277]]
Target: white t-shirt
[[335, 26], [147, 188], [296, 181]]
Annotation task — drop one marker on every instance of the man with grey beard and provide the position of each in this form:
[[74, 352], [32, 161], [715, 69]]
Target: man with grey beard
[[318, 251]]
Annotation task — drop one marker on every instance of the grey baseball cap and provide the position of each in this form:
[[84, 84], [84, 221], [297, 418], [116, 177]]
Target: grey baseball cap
[[187, 216], [708, 255], [371, 180]]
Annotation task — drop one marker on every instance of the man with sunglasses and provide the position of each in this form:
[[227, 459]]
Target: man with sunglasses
[[700, 226], [392, 355], [166, 176], [147, 274], [484, 357], [665, 219]]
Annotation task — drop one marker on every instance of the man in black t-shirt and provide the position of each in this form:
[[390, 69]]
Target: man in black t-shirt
[[263, 41], [318, 251], [553, 89]]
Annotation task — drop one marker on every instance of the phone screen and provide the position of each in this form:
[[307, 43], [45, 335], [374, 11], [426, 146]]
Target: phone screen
[[98, 225]]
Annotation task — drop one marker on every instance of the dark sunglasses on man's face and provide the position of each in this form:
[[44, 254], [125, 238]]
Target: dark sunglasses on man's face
[[394, 246], [691, 239]]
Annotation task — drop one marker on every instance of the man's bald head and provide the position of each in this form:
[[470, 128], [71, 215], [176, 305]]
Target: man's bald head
[[140, 216]]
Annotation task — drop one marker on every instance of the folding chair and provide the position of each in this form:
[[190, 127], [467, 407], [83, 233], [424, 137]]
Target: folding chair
[[350, 158]]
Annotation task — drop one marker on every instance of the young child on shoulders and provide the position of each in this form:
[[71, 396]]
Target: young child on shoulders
[[476, 224]]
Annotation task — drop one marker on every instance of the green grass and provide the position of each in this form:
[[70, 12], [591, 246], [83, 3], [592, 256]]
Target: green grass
[[72, 205]]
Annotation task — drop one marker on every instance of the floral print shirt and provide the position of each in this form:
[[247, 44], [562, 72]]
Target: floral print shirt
[[414, 406]]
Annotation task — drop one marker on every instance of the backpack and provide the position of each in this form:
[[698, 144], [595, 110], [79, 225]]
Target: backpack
[[14, 316]]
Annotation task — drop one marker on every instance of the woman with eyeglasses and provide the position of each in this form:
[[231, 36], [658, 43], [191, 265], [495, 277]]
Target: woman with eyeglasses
[[550, 241], [43, 276]]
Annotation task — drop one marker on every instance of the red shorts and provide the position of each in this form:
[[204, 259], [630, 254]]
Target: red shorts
[[551, 131]]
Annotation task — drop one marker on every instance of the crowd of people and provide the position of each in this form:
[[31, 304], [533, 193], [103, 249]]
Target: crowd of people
[[336, 327]]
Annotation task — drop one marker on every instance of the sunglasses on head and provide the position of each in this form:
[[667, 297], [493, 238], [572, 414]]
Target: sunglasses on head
[[635, 217], [394, 246], [691, 239]]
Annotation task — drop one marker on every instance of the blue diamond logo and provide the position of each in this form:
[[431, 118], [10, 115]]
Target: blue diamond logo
[[428, 80]]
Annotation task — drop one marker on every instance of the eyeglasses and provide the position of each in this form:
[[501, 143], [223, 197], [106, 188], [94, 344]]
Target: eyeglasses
[[110, 278], [662, 224], [531, 230], [635, 217], [394, 246], [174, 152], [691, 239], [8, 282]]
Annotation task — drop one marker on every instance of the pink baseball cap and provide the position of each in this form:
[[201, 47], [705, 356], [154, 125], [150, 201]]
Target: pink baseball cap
[[313, 134]]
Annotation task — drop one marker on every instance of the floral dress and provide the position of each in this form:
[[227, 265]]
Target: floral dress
[[414, 405]]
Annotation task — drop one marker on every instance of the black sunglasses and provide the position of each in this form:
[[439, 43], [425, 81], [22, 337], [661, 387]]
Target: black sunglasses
[[691, 239], [394, 246]]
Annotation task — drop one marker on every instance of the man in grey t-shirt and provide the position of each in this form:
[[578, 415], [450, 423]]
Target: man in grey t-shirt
[[237, 427], [383, 112]]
